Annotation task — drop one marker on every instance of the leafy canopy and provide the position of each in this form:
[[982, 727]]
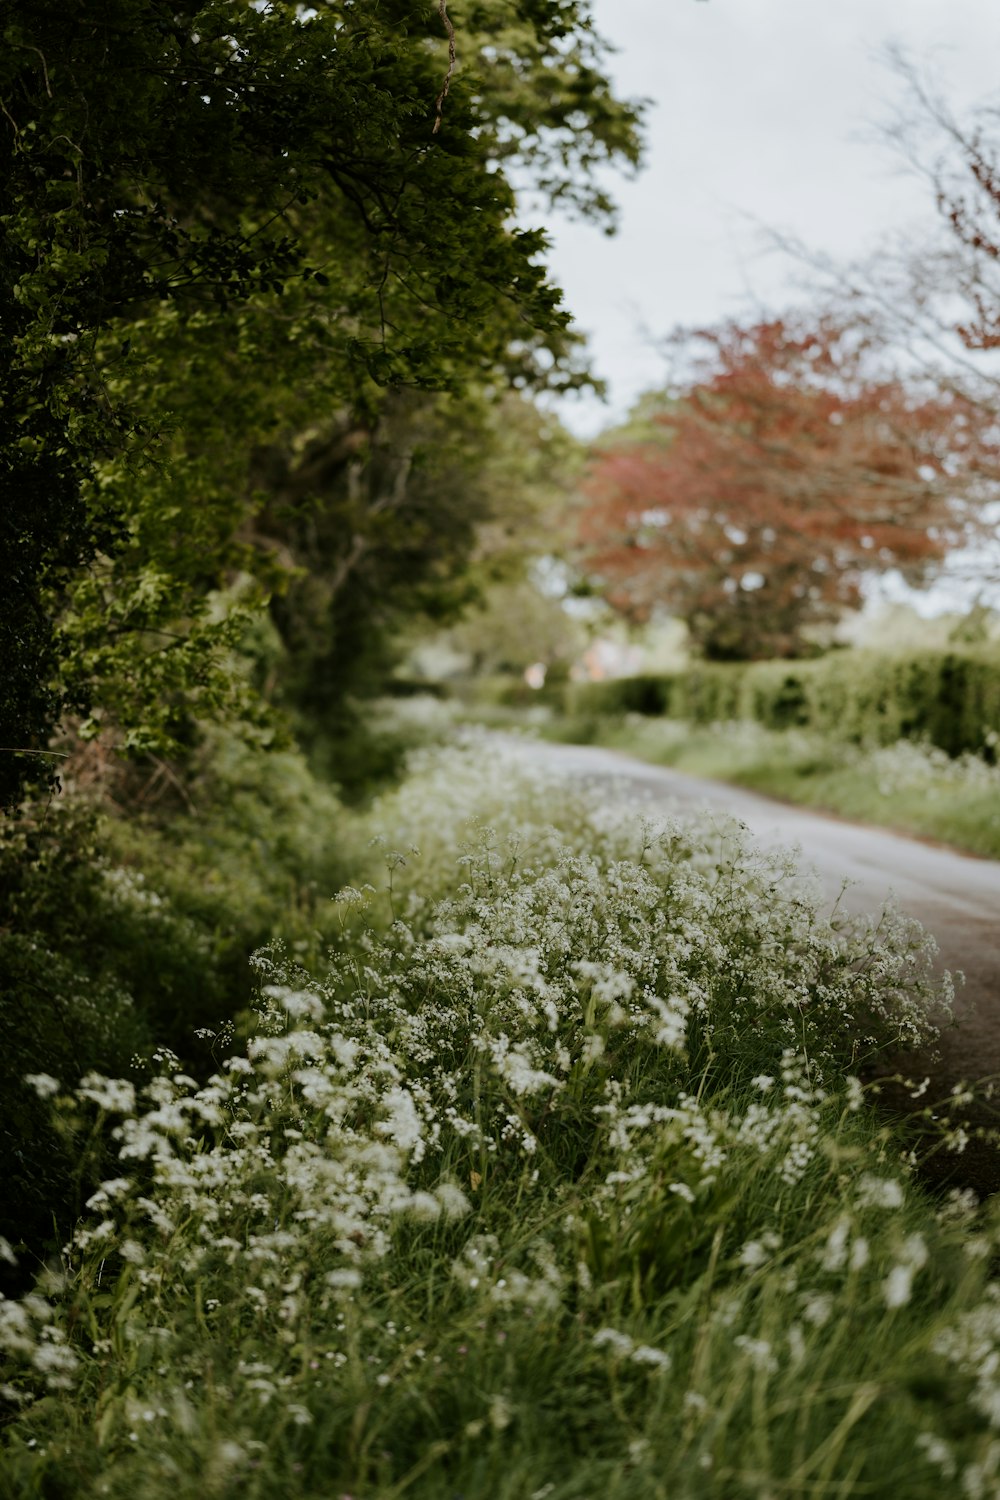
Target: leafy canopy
[[257, 188]]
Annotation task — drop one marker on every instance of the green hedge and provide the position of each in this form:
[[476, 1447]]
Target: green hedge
[[950, 698]]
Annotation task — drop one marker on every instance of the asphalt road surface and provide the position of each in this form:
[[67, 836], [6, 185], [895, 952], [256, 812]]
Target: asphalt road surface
[[955, 896]]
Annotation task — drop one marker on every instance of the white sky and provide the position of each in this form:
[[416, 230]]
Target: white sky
[[765, 111]]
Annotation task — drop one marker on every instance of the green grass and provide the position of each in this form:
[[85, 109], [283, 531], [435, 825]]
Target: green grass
[[908, 787], [556, 1180]]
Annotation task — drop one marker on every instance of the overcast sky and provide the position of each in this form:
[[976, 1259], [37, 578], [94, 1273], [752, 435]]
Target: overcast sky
[[764, 110]]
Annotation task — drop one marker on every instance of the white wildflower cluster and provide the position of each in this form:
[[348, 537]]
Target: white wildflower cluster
[[904, 766], [296, 1153], [879, 1192], [128, 892], [550, 959], [898, 1285], [759, 1352], [485, 1271], [696, 1143], [845, 1247], [128, 888], [757, 1253], [34, 1345], [915, 765], [622, 1346], [973, 1345], [664, 1014]]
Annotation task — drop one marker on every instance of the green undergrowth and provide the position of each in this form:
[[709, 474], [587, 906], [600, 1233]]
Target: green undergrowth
[[555, 1178], [911, 787], [131, 905], [129, 924]]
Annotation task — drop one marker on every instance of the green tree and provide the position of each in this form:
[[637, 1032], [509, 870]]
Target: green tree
[[222, 224]]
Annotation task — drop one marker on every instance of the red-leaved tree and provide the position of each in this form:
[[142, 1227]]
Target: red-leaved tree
[[754, 499]]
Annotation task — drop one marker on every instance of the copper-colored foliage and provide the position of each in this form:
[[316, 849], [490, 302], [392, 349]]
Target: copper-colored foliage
[[756, 497]]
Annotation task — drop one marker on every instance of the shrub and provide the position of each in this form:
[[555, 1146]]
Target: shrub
[[950, 699], [122, 934]]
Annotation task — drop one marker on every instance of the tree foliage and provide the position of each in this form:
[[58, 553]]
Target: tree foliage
[[413, 517], [758, 495], [221, 225]]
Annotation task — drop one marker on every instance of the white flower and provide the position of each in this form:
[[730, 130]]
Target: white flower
[[227, 1454], [500, 1413], [914, 1251], [454, 1203], [297, 1003], [113, 1188], [345, 1277], [879, 1192], [670, 1027], [818, 1308], [897, 1286], [645, 1354], [403, 1125], [752, 1255], [834, 1254], [938, 1453], [517, 1070], [116, 1095], [56, 1363], [610, 1338], [855, 1093], [43, 1084], [758, 1351], [238, 1065], [425, 1207]]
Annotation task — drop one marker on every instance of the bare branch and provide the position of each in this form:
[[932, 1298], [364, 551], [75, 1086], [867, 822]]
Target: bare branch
[[452, 57]]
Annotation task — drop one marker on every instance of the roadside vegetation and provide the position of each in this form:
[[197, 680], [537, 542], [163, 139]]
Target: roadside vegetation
[[379, 1117], [558, 1177], [906, 739], [909, 786]]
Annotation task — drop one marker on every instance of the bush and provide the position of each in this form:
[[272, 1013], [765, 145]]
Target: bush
[[79, 931], [950, 699], [124, 933]]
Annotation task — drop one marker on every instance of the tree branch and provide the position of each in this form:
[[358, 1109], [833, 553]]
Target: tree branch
[[452, 56]]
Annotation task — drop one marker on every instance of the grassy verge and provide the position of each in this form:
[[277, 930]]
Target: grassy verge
[[909, 787], [128, 925], [555, 1180]]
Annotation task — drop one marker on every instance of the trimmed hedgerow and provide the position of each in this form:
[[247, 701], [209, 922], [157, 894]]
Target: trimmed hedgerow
[[949, 698]]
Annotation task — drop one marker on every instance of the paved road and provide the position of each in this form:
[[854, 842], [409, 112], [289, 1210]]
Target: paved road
[[955, 896]]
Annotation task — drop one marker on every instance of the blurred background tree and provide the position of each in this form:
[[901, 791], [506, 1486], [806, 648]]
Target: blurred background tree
[[786, 466]]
